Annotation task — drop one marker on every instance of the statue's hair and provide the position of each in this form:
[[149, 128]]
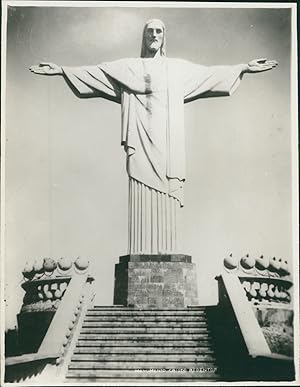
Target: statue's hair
[[163, 46]]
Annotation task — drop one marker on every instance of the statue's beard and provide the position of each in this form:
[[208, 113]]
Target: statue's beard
[[154, 47]]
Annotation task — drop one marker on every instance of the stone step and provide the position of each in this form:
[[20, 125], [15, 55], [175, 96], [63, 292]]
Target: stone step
[[167, 357], [144, 336], [131, 343], [122, 318], [142, 380], [125, 344], [146, 330], [145, 312], [141, 324], [122, 307], [145, 350], [137, 376], [147, 365], [113, 307]]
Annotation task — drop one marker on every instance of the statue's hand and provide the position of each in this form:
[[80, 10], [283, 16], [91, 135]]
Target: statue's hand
[[46, 69], [259, 65]]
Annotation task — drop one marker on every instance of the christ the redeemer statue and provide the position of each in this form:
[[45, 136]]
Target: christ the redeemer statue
[[152, 91]]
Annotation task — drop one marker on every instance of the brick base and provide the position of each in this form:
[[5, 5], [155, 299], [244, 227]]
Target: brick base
[[158, 281]]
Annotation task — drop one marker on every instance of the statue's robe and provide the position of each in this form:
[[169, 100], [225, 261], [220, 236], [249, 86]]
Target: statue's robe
[[152, 93]]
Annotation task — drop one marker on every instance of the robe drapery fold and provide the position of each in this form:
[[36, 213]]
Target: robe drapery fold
[[152, 93], [152, 221]]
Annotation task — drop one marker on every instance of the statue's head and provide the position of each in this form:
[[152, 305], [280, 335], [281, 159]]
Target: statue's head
[[154, 38]]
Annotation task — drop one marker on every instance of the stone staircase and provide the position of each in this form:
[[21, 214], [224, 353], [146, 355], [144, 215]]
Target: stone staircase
[[123, 344]]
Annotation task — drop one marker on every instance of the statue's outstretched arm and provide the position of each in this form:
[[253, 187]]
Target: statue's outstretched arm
[[85, 82], [216, 81]]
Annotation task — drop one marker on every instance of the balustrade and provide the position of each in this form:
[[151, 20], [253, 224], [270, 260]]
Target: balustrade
[[265, 281], [57, 293]]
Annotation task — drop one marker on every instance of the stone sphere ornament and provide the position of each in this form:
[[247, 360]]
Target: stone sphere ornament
[[64, 264], [28, 271], [81, 263], [284, 269], [38, 266], [285, 266], [49, 265], [262, 263], [247, 262], [274, 265], [230, 262]]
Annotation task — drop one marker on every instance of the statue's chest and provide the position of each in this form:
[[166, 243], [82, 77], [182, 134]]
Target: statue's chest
[[154, 76]]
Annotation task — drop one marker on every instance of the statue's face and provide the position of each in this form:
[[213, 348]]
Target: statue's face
[[154, 34]]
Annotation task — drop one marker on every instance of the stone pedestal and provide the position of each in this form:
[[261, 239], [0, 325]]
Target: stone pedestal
[[155, 281]]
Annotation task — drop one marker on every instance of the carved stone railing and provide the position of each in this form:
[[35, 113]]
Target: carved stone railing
[[41, 301], [267, 284], [57, 296], [266, 290], [254, 319], [266, 281]]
